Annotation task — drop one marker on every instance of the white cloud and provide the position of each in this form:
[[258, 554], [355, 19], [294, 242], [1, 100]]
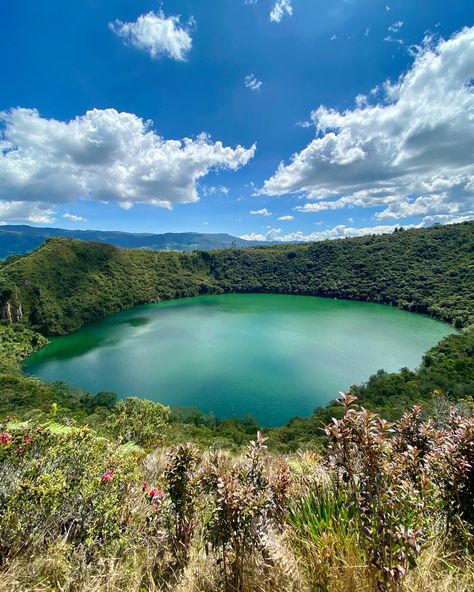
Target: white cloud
[[395, 27], [286, 218], [156, 34], [253, 236], [106, 156], [25, 212], [252, 82], [390, 39], [412, 154], [279, 9], [340, 231], [262, 212], [215, 190], [73, 217], [361, 101]]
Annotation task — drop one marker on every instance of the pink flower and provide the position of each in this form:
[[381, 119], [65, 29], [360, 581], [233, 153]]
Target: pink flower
[[145, 485], [107, 476], [5, 438], [156, 495], [27, 439]]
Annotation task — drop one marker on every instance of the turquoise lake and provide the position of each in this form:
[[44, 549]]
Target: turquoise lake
[[271, 356]]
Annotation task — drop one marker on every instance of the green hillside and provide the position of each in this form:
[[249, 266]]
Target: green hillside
[[66, 283]]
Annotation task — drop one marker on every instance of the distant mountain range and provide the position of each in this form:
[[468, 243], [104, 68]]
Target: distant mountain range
[[19, 239]]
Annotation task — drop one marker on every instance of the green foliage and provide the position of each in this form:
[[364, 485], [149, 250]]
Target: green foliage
[[138, 420], [66, 283], [180, 475], [16, 343], [321, 513], [59, 481]]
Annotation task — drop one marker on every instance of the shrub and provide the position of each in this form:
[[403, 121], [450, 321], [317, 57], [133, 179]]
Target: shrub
[[140, 421], [181, 486], [362, 454], [244, 504], [61, 482]]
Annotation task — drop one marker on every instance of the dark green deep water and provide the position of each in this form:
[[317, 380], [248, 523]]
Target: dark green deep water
[[272, 356]]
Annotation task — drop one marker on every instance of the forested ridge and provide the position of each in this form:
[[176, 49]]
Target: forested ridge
[[66, 282]]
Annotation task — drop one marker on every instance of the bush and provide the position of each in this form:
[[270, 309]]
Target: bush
[[140, 421]]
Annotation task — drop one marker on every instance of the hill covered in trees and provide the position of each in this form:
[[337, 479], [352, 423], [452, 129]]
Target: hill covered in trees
[[66, 283]]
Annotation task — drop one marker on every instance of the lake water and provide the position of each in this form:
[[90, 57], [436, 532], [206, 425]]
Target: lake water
[[272, 356]]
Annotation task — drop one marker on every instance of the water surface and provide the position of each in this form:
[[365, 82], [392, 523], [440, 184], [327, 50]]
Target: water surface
[[272, 356]]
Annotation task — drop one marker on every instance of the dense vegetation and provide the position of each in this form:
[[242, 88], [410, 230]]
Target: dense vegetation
[[66, 283], [100, 495], [384, 508]]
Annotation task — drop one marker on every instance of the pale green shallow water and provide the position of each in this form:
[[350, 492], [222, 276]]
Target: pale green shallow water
[[273, 356]]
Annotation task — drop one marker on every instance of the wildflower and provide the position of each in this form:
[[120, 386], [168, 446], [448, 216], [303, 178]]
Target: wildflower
[[27, 439], [107, 476], [5, 438], [145, 485], [152, 492], [160, 494], [21, 450]]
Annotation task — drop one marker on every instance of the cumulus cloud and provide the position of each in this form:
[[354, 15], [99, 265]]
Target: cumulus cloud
[[262, 212], [286, 218], [411, 154], [24, 211], [156, 34], [252, 82], [104, 155], [280, 8], [73, 217], [343, 231]]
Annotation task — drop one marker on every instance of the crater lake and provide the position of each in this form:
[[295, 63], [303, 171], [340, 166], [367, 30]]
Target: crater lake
[[271, 356]]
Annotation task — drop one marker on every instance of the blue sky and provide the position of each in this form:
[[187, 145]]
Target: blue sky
[[264, 80]]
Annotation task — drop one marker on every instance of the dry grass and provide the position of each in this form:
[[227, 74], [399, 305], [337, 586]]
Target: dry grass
[[329, 568], [441, 571]]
